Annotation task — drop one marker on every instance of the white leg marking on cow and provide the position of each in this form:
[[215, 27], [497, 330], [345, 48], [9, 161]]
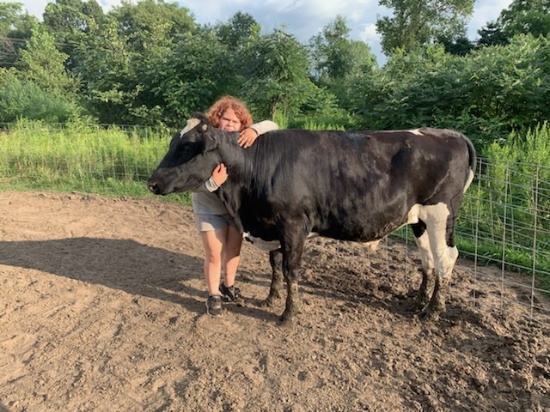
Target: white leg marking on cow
[[423, 244], [190, 124], [412, 216], [444, 257]]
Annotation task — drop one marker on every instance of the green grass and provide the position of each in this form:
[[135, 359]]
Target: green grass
[[77, 158]]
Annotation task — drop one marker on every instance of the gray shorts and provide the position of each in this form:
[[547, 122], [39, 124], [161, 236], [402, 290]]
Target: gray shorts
[[204, 222]]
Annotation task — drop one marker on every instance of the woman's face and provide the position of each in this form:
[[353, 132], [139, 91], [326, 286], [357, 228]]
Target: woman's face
[[229, 121]]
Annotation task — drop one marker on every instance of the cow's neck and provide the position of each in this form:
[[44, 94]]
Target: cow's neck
[[239, 162]]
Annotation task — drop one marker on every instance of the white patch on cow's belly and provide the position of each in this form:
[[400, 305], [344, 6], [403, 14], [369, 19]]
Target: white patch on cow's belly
[[438, 212], [268, 245], [372, 245]]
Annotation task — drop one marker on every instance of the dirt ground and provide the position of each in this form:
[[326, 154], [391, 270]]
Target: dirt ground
[[102, 309]]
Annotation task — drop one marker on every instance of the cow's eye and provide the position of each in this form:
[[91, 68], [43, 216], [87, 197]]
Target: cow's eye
[[186, 147]]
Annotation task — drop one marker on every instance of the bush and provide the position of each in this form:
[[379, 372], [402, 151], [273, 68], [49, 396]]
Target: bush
[[24, 99]]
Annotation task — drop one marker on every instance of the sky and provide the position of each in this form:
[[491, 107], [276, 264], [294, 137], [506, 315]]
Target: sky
[[301, 18]]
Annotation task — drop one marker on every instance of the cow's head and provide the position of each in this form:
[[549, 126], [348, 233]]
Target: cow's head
[[190, 160]]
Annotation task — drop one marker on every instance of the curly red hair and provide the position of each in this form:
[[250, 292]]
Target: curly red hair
[[217, 110]]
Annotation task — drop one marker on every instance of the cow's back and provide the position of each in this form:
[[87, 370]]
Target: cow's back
[[353, 185]]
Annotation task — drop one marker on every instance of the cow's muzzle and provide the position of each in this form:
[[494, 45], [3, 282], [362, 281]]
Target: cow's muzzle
[[154, 187]]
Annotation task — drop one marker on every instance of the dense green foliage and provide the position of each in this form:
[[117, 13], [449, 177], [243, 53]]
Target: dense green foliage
[[487, 94], [522, 17], [150, 63], [415, 23], [20, 98]]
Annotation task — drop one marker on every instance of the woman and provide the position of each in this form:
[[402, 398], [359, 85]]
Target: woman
[[220, 238]]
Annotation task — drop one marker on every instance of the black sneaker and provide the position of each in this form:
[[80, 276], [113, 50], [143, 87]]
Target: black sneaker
[[231, 294], [214, 306]]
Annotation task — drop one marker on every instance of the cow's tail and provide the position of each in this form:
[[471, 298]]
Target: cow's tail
[[473, 162]]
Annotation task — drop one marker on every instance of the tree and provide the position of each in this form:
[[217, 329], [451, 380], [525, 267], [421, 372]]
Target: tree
[[69, 21], [40, 88], [43, 64], [416, 23], [460, 46], [521, 17], [194, 74], [150, 23], [21, 98], [15, 28], [486, 94], [491, 35], [240, 28], [103, 65], [331, 52], [277, 71], [122, 58], [526, 17], [14, 22], [67, 18], [337, 61]]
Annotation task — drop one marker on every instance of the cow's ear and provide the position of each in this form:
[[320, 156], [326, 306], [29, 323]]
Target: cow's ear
[[210, 139]]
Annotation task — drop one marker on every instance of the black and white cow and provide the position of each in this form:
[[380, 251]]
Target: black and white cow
[[359, 185]]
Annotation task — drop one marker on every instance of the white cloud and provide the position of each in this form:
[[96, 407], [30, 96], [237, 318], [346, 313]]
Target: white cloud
[[35, 7], [485, 12], [369, 34], [109, 4]]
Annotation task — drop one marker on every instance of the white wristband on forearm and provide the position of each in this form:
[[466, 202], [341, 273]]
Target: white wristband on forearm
[[211, 186]]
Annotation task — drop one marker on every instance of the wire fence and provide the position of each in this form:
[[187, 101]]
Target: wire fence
[[504, 222], [507, 215]]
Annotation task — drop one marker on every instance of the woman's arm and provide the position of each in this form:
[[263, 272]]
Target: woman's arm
[[219, 176], [247, 137], [264, 127], [250, 134]]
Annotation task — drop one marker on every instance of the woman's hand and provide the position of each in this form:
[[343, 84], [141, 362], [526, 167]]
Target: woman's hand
[[247, 138], [219, 175]]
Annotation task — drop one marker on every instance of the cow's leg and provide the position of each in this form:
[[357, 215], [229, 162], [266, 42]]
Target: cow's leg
[[292, 247], [276, 262], [440, 228], [428, 278]]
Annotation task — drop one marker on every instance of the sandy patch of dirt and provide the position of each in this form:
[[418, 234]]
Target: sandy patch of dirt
[[102, 309]]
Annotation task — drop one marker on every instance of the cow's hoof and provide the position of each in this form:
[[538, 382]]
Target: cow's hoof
[[286, 320], [416, 305], [270, 300], [266, 303], [429, 315]]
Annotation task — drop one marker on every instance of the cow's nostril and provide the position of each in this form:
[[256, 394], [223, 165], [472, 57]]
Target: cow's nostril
[[153, 187]]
